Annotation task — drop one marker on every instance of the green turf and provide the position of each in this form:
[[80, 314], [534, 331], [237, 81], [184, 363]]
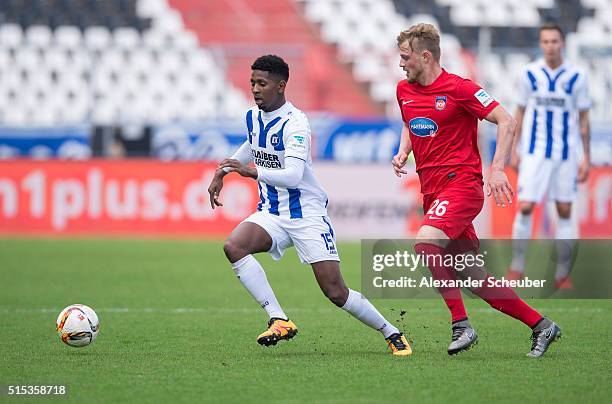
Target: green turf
[[152, 352]]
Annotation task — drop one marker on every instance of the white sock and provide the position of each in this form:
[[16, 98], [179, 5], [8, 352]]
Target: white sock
[[253, 277], [364, 311], [521, 234], [566, 240]]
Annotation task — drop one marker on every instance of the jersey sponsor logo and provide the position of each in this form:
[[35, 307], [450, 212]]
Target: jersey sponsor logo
[[266, 160], [296, 143], [483, 97], [440, 102], [423, 127], [550, 101]]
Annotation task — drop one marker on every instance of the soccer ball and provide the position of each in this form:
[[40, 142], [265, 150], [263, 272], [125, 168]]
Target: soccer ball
[[78, 325]]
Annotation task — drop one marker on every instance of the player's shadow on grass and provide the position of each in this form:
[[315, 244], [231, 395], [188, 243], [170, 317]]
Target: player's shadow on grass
[[331, 353]]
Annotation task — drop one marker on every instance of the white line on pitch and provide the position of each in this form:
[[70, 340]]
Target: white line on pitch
[[204, 310]]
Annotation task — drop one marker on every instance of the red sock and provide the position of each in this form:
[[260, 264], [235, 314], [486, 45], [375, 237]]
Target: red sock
[[508, 302], [452, 296]]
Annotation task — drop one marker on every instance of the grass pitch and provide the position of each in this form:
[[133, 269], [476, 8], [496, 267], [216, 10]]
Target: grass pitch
[[177, 326]]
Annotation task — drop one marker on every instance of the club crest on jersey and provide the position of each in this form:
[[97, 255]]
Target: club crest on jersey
[[423, 127], [440, 102], [274, 139]]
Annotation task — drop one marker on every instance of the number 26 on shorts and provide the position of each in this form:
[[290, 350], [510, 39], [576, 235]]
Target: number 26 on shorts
[[438, 208]]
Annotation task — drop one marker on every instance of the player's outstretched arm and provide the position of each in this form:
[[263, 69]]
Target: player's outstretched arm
[[243, 155], [585, 133], [405, 148], [498, 183], [288, 177], [515, 158], [214, 190]]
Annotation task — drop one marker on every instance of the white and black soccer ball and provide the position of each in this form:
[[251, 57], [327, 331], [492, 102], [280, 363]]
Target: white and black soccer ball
[[78, 325]]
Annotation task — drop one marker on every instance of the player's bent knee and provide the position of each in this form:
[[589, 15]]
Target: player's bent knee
[[234, 251], [526, 208], [431, 235], [337, 295], [564, 210]]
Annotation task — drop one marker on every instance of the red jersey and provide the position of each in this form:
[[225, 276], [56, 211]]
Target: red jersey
[[443, 122]]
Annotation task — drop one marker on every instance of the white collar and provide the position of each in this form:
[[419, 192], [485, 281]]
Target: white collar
[[277, 112], [545, 66]]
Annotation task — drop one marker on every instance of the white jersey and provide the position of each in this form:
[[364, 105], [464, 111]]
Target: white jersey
[[552, 99], [274, 137]]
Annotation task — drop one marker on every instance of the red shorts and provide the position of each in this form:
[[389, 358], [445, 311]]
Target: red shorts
[[454, 208]]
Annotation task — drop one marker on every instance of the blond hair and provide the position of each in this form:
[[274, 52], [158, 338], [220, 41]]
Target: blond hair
[[422, 37]]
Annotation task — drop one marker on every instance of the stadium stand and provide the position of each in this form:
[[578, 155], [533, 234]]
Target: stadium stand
[[369, 44], [241, 31], [152, 62], [106, 62], [508, 28]]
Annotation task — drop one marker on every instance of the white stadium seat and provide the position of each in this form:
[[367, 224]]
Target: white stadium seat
[[27, 58], [186, 40], [169, 22], [318, 10], [11, 35], [126, 38], [154, 40], [525, 17], [368, 69], [97, 38], [104, 114], [39, 36], [15, 116], [468, 15], [591, 26], [55, 58], [6, 59], [68, 37], [44, 115], [151, 8]]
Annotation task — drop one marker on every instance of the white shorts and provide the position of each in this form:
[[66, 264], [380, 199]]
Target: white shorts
[[313, 237], [538, 176]]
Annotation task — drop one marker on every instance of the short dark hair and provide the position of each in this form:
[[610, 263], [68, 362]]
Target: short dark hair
[[273, 64], [552, 26]]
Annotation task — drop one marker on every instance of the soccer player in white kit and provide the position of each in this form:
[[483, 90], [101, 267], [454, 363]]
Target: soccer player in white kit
[[553, 108], [292, 209]]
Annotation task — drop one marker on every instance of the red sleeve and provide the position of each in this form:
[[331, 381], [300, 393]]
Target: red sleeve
[[399, 101], [474, 99]]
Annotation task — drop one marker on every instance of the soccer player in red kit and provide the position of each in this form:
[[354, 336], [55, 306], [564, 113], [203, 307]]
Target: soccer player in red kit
[[440, 113]]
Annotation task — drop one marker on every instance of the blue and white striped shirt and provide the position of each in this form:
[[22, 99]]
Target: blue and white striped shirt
[[274, 137], [552, 99]]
